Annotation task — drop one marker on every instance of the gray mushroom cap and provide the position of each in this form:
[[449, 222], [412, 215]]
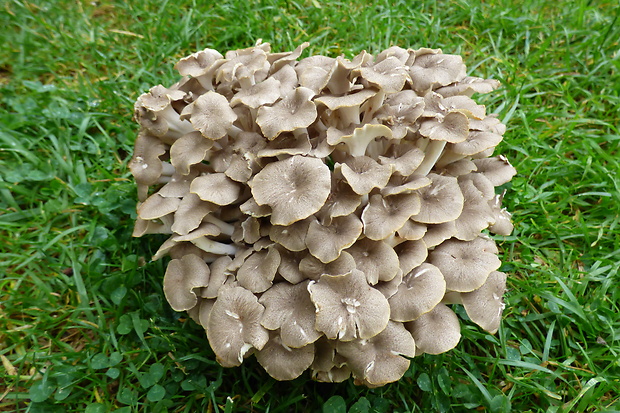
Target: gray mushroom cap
[[363, 174], [431, 68], [379, 360], [216, 188], [437, 331], [377, 259], [347, 307], [465, 264], [294, 188], [283, 362], [384, 215], [294, 111], [442, 201], [210, 114], [290, 309], [258, 270], [233, 326], [326, 242], [182, 278], [422, 289], [484, 305]]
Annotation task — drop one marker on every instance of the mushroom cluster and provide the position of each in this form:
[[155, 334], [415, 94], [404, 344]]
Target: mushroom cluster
[[324, 213]]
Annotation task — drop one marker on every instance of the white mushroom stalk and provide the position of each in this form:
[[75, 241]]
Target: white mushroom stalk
[[325, 214]]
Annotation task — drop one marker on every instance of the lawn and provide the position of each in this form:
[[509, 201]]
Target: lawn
[[84, 325]]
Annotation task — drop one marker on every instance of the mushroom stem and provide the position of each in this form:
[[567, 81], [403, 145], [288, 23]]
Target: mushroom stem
[[176, 126], [432, 152], [208, 245], [225, 227], [167, 169]]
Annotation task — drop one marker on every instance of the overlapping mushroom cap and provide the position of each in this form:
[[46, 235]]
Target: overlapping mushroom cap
[[324, 213]]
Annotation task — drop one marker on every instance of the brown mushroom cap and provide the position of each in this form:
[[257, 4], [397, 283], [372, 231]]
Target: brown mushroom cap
[[465, 264], [181, 280], [422, 289], [347, 307], [294, 188], [484, 305], [233, 326], [431, 68], [379, 360], [437, 331], [289, 308]]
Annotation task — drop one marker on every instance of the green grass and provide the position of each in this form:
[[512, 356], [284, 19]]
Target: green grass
[[84, 326]]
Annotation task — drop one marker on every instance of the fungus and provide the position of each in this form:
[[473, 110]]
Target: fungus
[[347, 307], [322, 211]]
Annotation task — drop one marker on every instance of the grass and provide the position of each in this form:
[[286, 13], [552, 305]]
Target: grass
[[83, 323]]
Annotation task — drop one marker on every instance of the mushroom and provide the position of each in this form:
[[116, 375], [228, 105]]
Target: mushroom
[[436, 331], [294, 111], [233, 325], [484, 305], [283, 362], [465, 264], [210, 114], [379, 360], [321, 211], [326, 242], [347, 307], [181, 280], [290, 309], [377, 259], [294, 188], [422, 289]]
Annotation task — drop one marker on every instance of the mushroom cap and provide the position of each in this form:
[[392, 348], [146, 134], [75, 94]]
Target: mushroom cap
[[233, 326], [283, 362], [294, 111], [437, 331], [484, 305], [290, 309], [379, 360], [431, 68], [422, 289], [294, 188], [189, 150], [389, 74], [258, 270], [181, 280], [216, 188], [312, 268], [190, 213], [497, 169], [292, 237], [377, 259], [347, 307], [384, 215], [465, 264], [411, 254], [210, 114], [441, 201], [452, 127], [326, 242], [156, 206], [363, 174]]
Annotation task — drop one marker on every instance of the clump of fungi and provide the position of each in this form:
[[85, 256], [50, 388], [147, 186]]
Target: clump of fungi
[[324, 213]]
